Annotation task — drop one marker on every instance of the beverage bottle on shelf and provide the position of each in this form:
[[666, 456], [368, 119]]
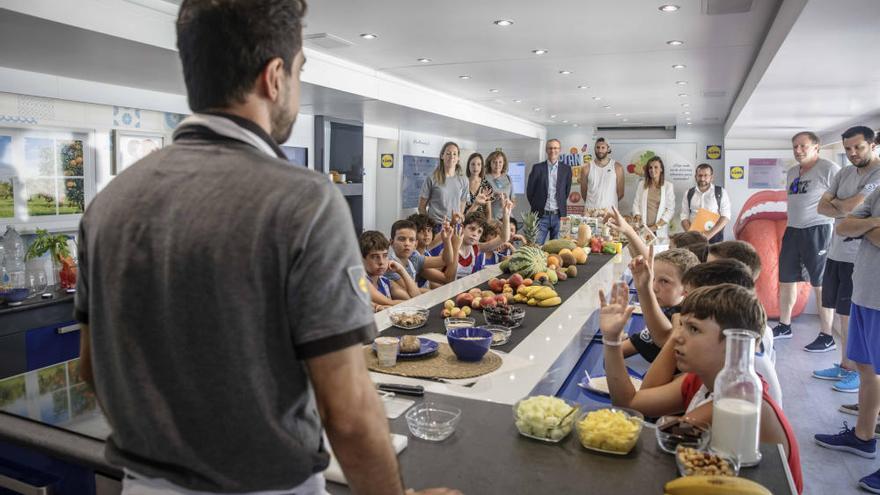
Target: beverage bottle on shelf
[[736, 410], [14, 257]]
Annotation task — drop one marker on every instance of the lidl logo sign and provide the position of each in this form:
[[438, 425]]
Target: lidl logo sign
[[713, 152], [737, 172], [387, 160]]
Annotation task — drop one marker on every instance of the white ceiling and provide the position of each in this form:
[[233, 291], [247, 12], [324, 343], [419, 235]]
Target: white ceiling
[[617, 48], [824, 77]]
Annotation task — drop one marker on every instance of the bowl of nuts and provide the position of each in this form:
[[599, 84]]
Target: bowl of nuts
[[408, 317], [694, 462]]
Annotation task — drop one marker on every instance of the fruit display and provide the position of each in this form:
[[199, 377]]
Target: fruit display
[[557, 245], [527, 261], [544, 417], [693, 462], [609, 430], [537, 295], [460, 308], [508, 316], [714, 485]]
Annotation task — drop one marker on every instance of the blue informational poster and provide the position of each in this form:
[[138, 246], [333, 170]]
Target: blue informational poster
[[415, 170], [517, 172]]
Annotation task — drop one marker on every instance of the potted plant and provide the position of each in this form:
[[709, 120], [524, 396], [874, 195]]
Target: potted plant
[[56, 245]]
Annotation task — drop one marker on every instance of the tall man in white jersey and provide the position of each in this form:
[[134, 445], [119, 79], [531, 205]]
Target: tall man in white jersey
[[602, 180]]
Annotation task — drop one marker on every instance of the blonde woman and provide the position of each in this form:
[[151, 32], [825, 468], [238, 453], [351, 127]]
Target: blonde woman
[[655, 199], [499, 181], [445, 192]]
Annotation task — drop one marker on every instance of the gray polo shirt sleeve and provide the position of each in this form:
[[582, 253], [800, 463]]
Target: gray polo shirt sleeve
[[328, 299], [81, 298]]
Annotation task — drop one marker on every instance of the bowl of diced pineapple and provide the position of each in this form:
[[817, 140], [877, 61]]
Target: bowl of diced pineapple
[[545, 418], [612, 430]]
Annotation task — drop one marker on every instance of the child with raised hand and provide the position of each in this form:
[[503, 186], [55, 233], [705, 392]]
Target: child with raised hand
[[384, 293], [724, 271], [699, 349], [466, 242], [493, 230], [404, 251], [658, 280], [427, 243]]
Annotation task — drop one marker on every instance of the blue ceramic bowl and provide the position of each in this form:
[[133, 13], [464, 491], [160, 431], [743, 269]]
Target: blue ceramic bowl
[[14, 295], [469, 344]]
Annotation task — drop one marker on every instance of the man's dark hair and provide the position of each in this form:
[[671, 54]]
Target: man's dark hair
[[225, 44], [422, 221], [810, 135], [867, 132], [371, 241], [704, 166], [740, 251], [600, 140], [724, 271], [402, 224]]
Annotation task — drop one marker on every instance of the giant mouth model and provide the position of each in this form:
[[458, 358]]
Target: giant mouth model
[[761, 223]]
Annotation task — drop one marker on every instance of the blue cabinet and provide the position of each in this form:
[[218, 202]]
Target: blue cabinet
[[20, 466], [52, 344]]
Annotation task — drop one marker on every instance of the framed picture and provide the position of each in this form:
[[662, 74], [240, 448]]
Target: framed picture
[[131, 146]]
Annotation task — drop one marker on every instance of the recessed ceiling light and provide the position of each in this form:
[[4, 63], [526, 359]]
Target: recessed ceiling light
[[685, 105], [368, 36], [464, 77], [575, 125], [688, 119], [537, 109], [503, 22], [517, 101], [681, 83], [690, 123], [625, 120], [668, 8], [553, 116], [606, 106], [540, 51], [425, 60], [583, 86], [679, 66], [597, 98], [493, 90], [675, 42], [564, 121], [686, 113], [565, 72], [683, 95], [618, 114]]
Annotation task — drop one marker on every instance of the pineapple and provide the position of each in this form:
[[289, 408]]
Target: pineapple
[[530, 227]]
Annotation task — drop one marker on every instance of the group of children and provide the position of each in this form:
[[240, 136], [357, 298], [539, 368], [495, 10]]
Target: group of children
[[689, 295], [422, 255]]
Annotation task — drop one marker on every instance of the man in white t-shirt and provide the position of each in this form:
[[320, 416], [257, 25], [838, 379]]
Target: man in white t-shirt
[[705, 195], [602, 180]]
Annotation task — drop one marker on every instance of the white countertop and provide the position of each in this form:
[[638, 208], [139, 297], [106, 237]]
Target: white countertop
[[558, 338]]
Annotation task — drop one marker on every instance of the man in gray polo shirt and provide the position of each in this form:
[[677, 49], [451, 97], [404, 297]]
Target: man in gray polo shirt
[[848, 189], [807, 236], [221, 291]]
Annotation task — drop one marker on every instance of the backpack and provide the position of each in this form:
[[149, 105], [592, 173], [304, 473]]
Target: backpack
[[692, 190]]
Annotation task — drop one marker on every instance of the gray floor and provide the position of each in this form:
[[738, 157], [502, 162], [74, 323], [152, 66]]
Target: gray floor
[[811, 406]]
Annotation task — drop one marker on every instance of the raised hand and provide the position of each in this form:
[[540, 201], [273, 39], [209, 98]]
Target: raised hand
[[457, 218], [446, 232], [614, 312], [643, 270], [508, 205], [615, 220], [456, 236]]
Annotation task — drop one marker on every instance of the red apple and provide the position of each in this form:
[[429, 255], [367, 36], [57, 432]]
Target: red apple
[[463, 300], [488, 302], [515, 280], [496, 285]]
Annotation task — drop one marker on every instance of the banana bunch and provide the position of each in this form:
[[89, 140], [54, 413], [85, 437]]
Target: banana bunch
[[537, 295], [714, 485]]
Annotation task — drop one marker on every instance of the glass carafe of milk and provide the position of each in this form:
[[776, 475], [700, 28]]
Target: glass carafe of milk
[[736, 409]]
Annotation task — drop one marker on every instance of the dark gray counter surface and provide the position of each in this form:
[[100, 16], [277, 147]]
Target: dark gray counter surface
[[486, 455]]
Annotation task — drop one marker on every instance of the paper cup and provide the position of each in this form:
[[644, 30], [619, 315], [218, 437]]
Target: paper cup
[[386, 350]]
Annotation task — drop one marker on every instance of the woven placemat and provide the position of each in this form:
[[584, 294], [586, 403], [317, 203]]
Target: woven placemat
[[443, 364]]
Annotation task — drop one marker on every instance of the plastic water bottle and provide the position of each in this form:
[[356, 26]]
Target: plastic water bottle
[[14, 258]]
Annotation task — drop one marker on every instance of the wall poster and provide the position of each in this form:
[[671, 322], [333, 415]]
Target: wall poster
[[415, 170]]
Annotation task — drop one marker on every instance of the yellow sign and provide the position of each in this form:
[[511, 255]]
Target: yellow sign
[[713, 152], [387, 160], [737, 172]]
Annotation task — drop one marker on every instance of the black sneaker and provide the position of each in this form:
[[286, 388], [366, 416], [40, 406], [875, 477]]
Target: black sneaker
[[852, 409], [782, 331], [823, 343]]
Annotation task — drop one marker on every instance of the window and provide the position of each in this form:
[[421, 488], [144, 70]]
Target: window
[[43, 175]]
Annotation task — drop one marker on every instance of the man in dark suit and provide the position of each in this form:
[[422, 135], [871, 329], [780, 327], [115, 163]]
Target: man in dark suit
[[547, 191]]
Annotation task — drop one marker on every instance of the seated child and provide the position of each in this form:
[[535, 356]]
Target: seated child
[[492, 231], [428, 243], [694, 242], [404, 250], [658, 283], [516, 240], [383, 293], [466, 242], [698, 345]]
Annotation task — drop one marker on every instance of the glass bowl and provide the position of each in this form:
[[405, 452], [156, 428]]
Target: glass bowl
[[612, 430], [432, 420], [705, 462], [508, 316], [540, 422], [408, 317], [672, 431], [451, 323], [500, 334]]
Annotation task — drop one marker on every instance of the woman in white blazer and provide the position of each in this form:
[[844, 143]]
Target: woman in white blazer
[[655, 199]]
